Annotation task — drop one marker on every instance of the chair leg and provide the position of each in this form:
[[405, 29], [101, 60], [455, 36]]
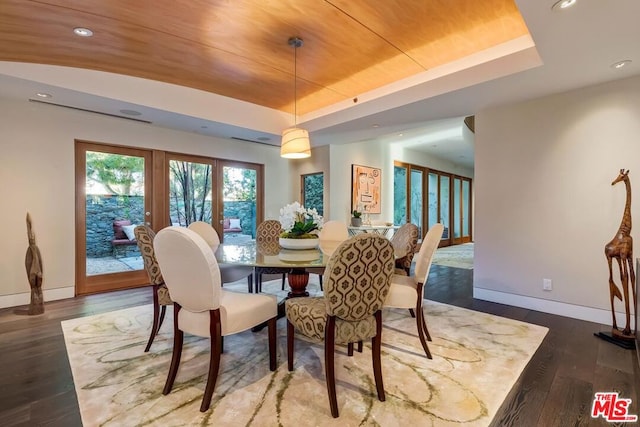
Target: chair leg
[[215, 332], [178, 337], [420, 323], [412, 312], [156, 323], [329, 359], [250, 283], [284, 276], [360, 346], [273, 364], [424, 326], [350, 349], [375, 356], [290, 332], [320, 277]]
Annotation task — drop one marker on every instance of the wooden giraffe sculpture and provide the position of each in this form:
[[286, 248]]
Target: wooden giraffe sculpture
[[621, 248]]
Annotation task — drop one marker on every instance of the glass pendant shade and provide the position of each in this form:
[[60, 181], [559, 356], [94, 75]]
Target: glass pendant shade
[[295, 144]]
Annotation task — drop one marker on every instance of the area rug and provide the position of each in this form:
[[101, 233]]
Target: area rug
[[476, 360], [459, 256]]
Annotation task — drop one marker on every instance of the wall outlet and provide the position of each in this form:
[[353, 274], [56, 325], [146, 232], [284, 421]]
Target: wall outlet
[[547, 285]]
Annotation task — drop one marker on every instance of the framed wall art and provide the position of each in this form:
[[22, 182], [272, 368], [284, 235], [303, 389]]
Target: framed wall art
[[366, 189]]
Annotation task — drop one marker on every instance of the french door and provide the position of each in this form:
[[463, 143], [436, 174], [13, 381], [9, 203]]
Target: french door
[[120, 187], [113, 195], [409, 195], [438, 202], [461, 210], [426, 196], [240, 205]]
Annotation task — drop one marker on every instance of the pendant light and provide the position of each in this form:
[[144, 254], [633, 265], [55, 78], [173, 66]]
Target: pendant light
[[295, 141]]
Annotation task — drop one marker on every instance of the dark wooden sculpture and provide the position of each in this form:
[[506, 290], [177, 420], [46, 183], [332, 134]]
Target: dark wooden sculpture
[[621, 248], [33, 264]]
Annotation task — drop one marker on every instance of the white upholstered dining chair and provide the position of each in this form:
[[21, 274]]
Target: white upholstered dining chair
[[228, 273], [202, 307], [407, 291], [332, 231]]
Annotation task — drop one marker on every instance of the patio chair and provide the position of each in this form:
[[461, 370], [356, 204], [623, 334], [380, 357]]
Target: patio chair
[[161, 298], [350, 310]]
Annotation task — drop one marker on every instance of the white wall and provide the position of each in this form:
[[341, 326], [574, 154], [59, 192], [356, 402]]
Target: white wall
[[544, 204], [37, 176], [341, 157]]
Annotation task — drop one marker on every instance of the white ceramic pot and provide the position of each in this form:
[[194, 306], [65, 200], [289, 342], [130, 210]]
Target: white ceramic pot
[[298, 243]]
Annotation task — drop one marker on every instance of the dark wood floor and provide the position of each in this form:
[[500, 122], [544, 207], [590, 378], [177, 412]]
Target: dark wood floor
[[556, 388]]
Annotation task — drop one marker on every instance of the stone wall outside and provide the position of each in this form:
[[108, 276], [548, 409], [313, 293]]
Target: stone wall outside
[[102, 210]]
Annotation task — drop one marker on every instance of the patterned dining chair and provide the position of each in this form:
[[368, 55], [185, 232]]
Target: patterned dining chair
[[407, 291], [202, 307], [405, 240], [161, 298], [268, 233], [357, 281]]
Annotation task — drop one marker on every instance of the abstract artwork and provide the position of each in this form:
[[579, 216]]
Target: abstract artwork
[[365, 189]]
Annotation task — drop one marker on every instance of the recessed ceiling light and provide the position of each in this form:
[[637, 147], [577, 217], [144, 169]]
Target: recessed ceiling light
[[43, 95], [131, 112], [375, 126], [82, 32], [621, 64], [563, 4]]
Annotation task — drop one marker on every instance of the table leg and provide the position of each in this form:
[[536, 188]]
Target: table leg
[[298, 280]]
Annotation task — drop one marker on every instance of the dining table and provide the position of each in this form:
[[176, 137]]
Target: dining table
[[271, 254]]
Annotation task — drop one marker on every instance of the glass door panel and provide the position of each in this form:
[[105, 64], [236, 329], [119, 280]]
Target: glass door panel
[[466, 209], [444, 209], [190, 191], [417, 195], [399, 195], [241, 201], [457, 208], [432, 199], [313, 192], [112, 197]]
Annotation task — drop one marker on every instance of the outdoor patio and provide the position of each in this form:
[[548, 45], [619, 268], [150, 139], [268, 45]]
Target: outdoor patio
[[110, 264]]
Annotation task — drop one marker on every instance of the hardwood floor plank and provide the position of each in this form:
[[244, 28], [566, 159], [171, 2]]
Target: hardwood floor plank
[[568, 403]]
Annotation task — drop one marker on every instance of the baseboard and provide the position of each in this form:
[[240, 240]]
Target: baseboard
[[15, 300], [580, 312]]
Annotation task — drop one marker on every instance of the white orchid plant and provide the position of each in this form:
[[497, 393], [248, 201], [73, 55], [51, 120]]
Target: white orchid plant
[[299, 223]]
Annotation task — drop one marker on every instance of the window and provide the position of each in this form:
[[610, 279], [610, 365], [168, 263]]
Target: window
[[313, 191]]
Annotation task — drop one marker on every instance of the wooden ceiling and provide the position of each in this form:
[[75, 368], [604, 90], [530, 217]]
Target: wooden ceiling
[[239, 48]]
